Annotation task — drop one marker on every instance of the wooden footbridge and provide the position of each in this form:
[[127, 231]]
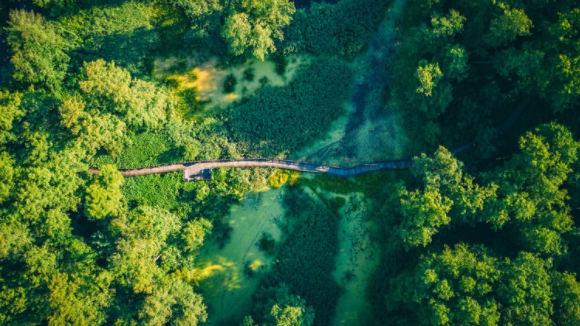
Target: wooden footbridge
[[201, 170]]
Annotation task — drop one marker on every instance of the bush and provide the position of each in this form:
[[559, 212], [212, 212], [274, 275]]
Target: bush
[[267, 243], [281, 61], [278, 179], [249, 74], [264, 81], [230, 84]]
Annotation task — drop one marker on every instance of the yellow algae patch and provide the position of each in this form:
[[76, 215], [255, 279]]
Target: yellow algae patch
[[228, 289], [211, 78], [255, 265], [210, 270]]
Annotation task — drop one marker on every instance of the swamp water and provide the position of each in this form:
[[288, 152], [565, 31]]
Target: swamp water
[[211, 78], [227, 289]]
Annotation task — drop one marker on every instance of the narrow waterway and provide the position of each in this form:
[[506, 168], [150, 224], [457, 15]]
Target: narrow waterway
[[370, 131]]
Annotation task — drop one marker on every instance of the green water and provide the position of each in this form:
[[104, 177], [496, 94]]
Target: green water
[[227, 290]]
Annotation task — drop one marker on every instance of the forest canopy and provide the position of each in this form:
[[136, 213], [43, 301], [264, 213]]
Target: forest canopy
[[481, 98]]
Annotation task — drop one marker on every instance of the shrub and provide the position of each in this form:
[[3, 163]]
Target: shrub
[[249, 74], [267, 243], [230, 84], [264, 81], [281, 61], [278, 179]]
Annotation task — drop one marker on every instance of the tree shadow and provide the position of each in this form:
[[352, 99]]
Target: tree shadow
[[128, 50]]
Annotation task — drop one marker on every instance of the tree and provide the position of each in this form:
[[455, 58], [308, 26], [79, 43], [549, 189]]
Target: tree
[[423, 212], [566, 298], [525, 291], [76, 300], [6, 176], [445, 195], [93, 130], [173, 301], [505, 28], [561, 70], [530, 191], [39, 52], [104, 197], [142, 235], [9, 112], [453, 287], [194, 233], [254, 24], [109, 89], [278, 307]]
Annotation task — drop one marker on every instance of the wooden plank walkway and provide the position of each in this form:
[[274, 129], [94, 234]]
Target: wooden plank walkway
[[201, 170]]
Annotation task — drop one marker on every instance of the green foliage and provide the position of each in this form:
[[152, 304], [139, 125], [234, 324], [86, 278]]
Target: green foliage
[[9, 111], [230, 84], [104, 194], [530, 188], [524, 201], [278, 178], [474, 59], [249, 74], [305, 260], [195, 232], [423, 213], [428, 75], [39, 51], [467, 286], [92, 131], [253, 25], [76, 301], [110, 103], [451, 287], [266, 243], [275, 121], [110, 89], [6, 175], [123, 34], [444, 195], [567, 298], [146, 149], [276, 306], [281, 62], [344, 28], [173, 302]]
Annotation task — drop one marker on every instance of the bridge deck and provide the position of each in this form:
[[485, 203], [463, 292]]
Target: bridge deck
[[201, 170]]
